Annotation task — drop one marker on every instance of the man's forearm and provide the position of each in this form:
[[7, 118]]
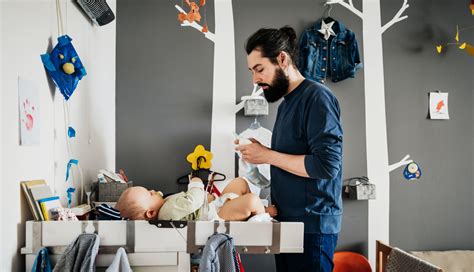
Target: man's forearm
[[290, 163]]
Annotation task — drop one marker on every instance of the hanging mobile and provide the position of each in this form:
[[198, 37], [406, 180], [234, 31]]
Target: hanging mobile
[[412, 171]]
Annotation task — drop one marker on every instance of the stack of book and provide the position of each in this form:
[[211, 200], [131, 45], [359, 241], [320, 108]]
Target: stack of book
[[40, 198]]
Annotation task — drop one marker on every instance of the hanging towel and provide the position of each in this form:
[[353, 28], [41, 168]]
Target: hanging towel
[[120, 262], [80, 255], [219, 255], [400, 261], [42, 261]]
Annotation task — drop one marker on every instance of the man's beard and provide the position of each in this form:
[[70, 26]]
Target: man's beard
[[278, 87]]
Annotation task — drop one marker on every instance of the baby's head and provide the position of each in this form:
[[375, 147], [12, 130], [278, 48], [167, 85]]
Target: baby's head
[[138, 203]]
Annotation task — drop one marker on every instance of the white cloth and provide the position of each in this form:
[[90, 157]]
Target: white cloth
[[263, 217], [264, 136], [120, 262]]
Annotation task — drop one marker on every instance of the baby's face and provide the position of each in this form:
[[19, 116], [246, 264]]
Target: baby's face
[[140, 198], [156, 199]]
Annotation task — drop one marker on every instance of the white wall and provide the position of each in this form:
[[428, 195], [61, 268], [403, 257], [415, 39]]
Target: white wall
[[1, 129], [28, 29]]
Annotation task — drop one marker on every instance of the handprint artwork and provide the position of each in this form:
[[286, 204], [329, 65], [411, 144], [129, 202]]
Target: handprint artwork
[[28, 120], [28, 107]]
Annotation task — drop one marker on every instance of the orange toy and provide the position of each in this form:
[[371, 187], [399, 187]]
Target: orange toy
[[346, 261]]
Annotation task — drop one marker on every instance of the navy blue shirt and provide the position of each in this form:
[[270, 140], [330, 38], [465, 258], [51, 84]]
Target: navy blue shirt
[[308, 123]]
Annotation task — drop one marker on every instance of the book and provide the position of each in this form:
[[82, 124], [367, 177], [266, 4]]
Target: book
[[81, 209], [34, 207], [47, 204], [39, 192]]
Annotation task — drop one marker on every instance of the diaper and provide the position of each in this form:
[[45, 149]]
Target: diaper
[[216, 204]]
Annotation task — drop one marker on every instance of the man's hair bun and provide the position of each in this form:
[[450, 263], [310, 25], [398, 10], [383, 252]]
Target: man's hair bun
[[289, 32]]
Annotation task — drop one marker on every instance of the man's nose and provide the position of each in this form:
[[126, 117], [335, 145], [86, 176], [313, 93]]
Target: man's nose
[[256, 79]]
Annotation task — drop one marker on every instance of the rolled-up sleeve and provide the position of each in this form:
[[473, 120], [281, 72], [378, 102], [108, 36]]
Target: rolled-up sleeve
[[324, 136]]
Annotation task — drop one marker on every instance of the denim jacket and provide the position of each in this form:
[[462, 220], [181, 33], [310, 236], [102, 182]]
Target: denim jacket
[[337, 57]]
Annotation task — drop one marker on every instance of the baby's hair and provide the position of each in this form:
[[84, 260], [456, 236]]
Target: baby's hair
[[132, 209]]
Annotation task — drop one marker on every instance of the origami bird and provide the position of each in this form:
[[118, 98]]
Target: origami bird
[[64, 66]]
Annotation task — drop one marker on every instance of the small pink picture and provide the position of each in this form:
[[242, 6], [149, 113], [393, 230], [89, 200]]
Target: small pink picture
[[28, 112]]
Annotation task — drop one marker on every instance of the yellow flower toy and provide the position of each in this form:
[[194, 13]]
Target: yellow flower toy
[[200, 158]]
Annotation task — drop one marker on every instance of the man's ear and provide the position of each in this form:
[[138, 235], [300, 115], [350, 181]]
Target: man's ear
[[150, 214], [283, 60]]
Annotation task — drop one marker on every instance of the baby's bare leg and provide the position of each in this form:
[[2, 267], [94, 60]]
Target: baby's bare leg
[[241, 208], [237, 186]]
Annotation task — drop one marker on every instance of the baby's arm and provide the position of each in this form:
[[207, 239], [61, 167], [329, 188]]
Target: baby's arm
[[193, 199], [181, 205]]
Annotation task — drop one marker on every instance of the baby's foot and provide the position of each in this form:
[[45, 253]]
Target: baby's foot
[[272, 210]]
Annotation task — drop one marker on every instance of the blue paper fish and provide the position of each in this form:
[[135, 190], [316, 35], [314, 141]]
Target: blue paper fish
[[64, 66]]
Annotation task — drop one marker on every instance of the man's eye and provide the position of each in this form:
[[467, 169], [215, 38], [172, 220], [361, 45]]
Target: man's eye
[[259, 71]]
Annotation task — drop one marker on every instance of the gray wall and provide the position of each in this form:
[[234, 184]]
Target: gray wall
[[164, 95], [435, 212], [164, 92]]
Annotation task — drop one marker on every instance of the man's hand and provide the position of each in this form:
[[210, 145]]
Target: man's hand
[[255, 152]]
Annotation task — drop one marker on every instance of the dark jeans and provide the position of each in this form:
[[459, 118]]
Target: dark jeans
[[317, 256]]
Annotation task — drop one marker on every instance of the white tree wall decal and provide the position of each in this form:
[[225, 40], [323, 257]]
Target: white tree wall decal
[[378, 167], [224, 108]]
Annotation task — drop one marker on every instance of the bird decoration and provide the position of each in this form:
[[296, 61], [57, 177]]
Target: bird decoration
[[64, 66], [468, 48]]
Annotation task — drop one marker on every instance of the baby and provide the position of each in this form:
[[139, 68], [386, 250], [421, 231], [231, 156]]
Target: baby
[[236, 203]]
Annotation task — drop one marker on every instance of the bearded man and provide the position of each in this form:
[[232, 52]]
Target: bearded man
[[306, 150]]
